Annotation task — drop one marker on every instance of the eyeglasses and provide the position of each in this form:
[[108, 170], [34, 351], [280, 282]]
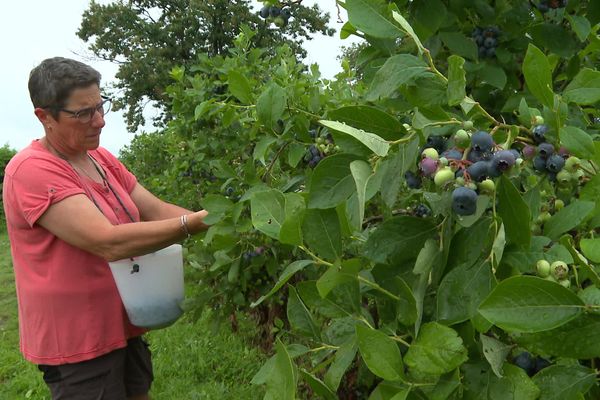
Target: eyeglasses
[[85, 115]]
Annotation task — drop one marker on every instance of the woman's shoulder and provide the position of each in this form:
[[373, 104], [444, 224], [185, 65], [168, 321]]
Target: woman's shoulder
[[31, 156], [104, 156]]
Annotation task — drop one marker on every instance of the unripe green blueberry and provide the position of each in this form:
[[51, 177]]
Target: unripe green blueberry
[[565, 283], [487, 186], [543, 268], [462, 138], [543, 217], [443, 176], [430, 152], [578, 175], [336, 148], [407, 127], [572, 164], [564, 177], [443, 161], [538, 120], [460, 181], [468, 125], [559, 270], [558, 204], [471, 185], [320, 140]]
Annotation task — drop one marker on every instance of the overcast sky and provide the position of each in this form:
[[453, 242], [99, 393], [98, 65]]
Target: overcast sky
[[33, 30]]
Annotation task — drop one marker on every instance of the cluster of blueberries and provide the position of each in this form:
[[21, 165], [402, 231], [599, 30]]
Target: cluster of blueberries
[[279, 16], [545, 5], [320, 149], [475, 160], [249, 255], [487, 40], [471, 172], [531, 365]]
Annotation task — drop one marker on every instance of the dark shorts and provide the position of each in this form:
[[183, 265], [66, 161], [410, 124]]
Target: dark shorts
[[114, 376]]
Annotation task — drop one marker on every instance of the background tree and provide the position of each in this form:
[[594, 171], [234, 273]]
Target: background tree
[[147, 38]]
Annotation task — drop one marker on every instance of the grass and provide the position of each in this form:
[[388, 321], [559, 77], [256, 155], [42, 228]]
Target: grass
[[191, 359]]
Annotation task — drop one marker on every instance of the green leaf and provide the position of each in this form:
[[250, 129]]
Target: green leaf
[[580, 25], [395, 167], [300, 319], [436, 350], [217, 206], [495, 353], [239, 86], [334, 276], [331, 182], [591, 249], [456, 80], [376, 144], [261, 148], [369, 119], [493, 75], [282, 379], [578, 142], [514, 212], [462, 290], [530, 304], [399, 238], [371, 17], [291, 229], [407, 312], [568, 218], [318, 387], [268, 212], [555, 38], [361, 171], [577, 339], [564, 382], [584, 89], [344, 357], [285, 276], [387, 390], [322, 232], [538, 75], [409, 30], [459, 44], [380, 353], [515, 385], [271, 105], [397, 71]]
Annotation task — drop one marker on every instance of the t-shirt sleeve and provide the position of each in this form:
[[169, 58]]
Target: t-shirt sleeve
[[120, 171], [38, 183]]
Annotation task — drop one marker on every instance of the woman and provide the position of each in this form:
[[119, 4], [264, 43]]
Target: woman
[[70, 208]]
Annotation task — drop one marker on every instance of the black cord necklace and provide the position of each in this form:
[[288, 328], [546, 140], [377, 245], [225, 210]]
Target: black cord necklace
[[100, 171]]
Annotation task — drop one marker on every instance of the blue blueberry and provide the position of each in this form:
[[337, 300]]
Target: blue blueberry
[[464, 201]]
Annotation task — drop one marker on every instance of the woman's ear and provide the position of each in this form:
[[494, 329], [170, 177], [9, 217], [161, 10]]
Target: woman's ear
[[44, 117]]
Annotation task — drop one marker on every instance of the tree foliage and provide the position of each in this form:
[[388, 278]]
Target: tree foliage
[[325, 200], [146, 38]]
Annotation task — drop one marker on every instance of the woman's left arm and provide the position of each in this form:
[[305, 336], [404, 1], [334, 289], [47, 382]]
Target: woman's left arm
[[152, 208]]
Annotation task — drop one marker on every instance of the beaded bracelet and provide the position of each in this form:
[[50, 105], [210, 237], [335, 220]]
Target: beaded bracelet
[[184, 225]]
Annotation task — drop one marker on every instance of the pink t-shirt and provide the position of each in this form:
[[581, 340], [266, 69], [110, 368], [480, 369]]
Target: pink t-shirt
[[69, 306]]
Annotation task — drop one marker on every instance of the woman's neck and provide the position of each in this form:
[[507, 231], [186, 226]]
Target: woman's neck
[[65, 155]]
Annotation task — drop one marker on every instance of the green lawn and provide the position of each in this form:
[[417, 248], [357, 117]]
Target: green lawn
[[190, 362]]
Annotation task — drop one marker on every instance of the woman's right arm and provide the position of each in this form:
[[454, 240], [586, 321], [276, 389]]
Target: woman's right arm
[[77, 221]]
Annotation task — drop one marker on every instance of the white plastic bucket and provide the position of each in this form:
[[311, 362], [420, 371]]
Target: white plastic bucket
[[151, 287]]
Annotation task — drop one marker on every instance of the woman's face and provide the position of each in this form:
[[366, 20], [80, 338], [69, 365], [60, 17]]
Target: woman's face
[[68, 130]]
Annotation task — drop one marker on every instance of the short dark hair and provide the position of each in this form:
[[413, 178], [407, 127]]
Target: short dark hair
[[54, 79]]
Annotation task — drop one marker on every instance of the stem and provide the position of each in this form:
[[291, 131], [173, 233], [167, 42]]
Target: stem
[[272, 163], [377, 287], [315, 257], [403, 140], [432, 66], [400, 340]]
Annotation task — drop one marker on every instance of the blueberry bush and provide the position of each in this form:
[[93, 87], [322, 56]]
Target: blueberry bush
[[420, 227]]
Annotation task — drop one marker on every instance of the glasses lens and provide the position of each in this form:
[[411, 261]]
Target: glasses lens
[[85, 116]]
